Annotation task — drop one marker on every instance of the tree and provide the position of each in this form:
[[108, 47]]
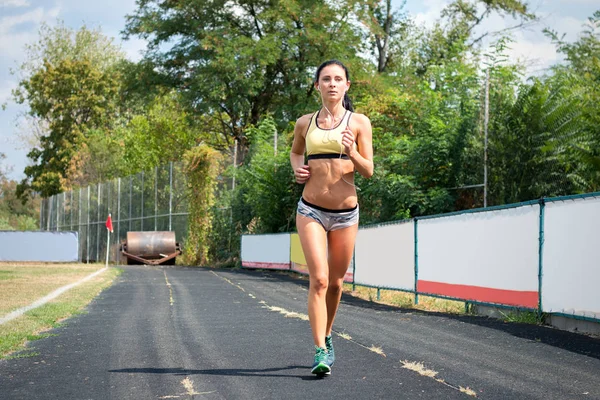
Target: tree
[[59, 42], [71, 96], [581, 74], [162, 133], [266, 186], [56, 43], [236, 61], [69, 83], [4, 170], [387, 31], [467, 15], [14, 214], [456, 35]]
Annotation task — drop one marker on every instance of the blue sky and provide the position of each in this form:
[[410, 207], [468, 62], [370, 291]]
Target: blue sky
[[20, 21]]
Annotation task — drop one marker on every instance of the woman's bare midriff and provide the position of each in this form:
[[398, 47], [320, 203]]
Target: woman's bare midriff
[[326, 188]]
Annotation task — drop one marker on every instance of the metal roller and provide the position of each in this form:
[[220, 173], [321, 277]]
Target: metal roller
[[150, 247]]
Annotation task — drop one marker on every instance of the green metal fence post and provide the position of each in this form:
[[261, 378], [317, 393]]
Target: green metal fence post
[[540, 257], [416, 262], [354, 269]]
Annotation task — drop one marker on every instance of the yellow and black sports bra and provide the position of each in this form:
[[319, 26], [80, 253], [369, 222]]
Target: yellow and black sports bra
[[326, 143]]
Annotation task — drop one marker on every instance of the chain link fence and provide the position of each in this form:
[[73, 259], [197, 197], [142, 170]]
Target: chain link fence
[[152, 200]]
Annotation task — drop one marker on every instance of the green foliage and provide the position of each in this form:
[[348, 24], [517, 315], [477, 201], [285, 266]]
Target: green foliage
[[58, 43], [4, 170], [425, 140], [523, 317], [160, 134], [5, 225], [225, 235], [26, 223], [71, 96], [68, 82], [581, 78], [201, 167], [239, 60], [266, 184], [14, 214], [100, 158], [387, 31]]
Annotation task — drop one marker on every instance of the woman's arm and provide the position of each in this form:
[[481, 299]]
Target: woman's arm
[[301, 170], [363, 158]]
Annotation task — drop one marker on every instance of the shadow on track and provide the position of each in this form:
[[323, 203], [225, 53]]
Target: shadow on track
[[267, 372]]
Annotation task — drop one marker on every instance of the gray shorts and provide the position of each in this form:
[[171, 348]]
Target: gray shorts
[[329, 219]]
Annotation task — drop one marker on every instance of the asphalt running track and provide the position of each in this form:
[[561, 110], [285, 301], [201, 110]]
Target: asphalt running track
[[191, 333]]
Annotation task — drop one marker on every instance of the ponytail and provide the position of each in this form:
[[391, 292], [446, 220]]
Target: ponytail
[[347, 103]]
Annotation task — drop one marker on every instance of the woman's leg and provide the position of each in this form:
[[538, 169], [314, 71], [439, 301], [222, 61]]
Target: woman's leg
[[314, 244], [340, 249]]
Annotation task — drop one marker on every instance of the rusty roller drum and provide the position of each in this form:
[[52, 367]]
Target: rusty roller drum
[[151, 248]]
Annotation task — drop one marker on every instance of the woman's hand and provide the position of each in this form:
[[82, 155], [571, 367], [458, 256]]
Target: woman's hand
[[348, 140], [302, 174]]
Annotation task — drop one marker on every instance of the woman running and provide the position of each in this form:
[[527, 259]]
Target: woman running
[[337, 142]]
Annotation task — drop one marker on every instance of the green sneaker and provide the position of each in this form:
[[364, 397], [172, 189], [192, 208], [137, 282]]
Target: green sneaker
[[330, 352], [320, 366]]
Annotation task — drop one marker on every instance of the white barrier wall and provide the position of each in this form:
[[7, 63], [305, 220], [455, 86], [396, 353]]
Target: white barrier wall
[[266, 251], [571, 257], [490, 256], [39, 246], [385, 256]]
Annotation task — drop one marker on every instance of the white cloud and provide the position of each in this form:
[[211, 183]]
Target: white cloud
[[568, 25], [531, 47], [434, 9], [134, 48], [14, 3], [535, 56], [12, 42], [5, 90], [570, 3]]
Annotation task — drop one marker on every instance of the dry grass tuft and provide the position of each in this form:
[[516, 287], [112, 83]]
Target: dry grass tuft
[[188, 384], [377, 350], [419, 368], [468, 391], [286, 313]]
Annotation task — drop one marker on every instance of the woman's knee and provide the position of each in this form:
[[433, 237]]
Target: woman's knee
[[319, 283], [335, 285]]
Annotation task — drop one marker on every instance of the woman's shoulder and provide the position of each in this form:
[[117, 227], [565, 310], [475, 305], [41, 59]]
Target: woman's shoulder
[[304, 121], [360, 117]]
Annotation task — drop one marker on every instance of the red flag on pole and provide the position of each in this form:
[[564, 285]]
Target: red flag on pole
[[109, 224]]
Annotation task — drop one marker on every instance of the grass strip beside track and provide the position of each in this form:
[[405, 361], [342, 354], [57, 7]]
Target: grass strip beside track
[[22, 284], [406, 300]]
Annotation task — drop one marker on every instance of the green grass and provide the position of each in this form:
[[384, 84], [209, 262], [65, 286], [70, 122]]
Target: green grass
[[406, 300], [34, 324], [525, 317]]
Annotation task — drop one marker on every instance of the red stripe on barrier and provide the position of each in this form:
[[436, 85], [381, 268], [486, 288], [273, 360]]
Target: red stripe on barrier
[[483, 294], [265, 265], [349, 277]]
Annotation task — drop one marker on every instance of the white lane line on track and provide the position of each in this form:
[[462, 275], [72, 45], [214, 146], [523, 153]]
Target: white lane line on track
[[170, 289], [228, 281], [47, 298]]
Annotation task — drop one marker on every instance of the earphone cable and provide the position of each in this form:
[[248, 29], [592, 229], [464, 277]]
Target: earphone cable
[[341, 145]]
